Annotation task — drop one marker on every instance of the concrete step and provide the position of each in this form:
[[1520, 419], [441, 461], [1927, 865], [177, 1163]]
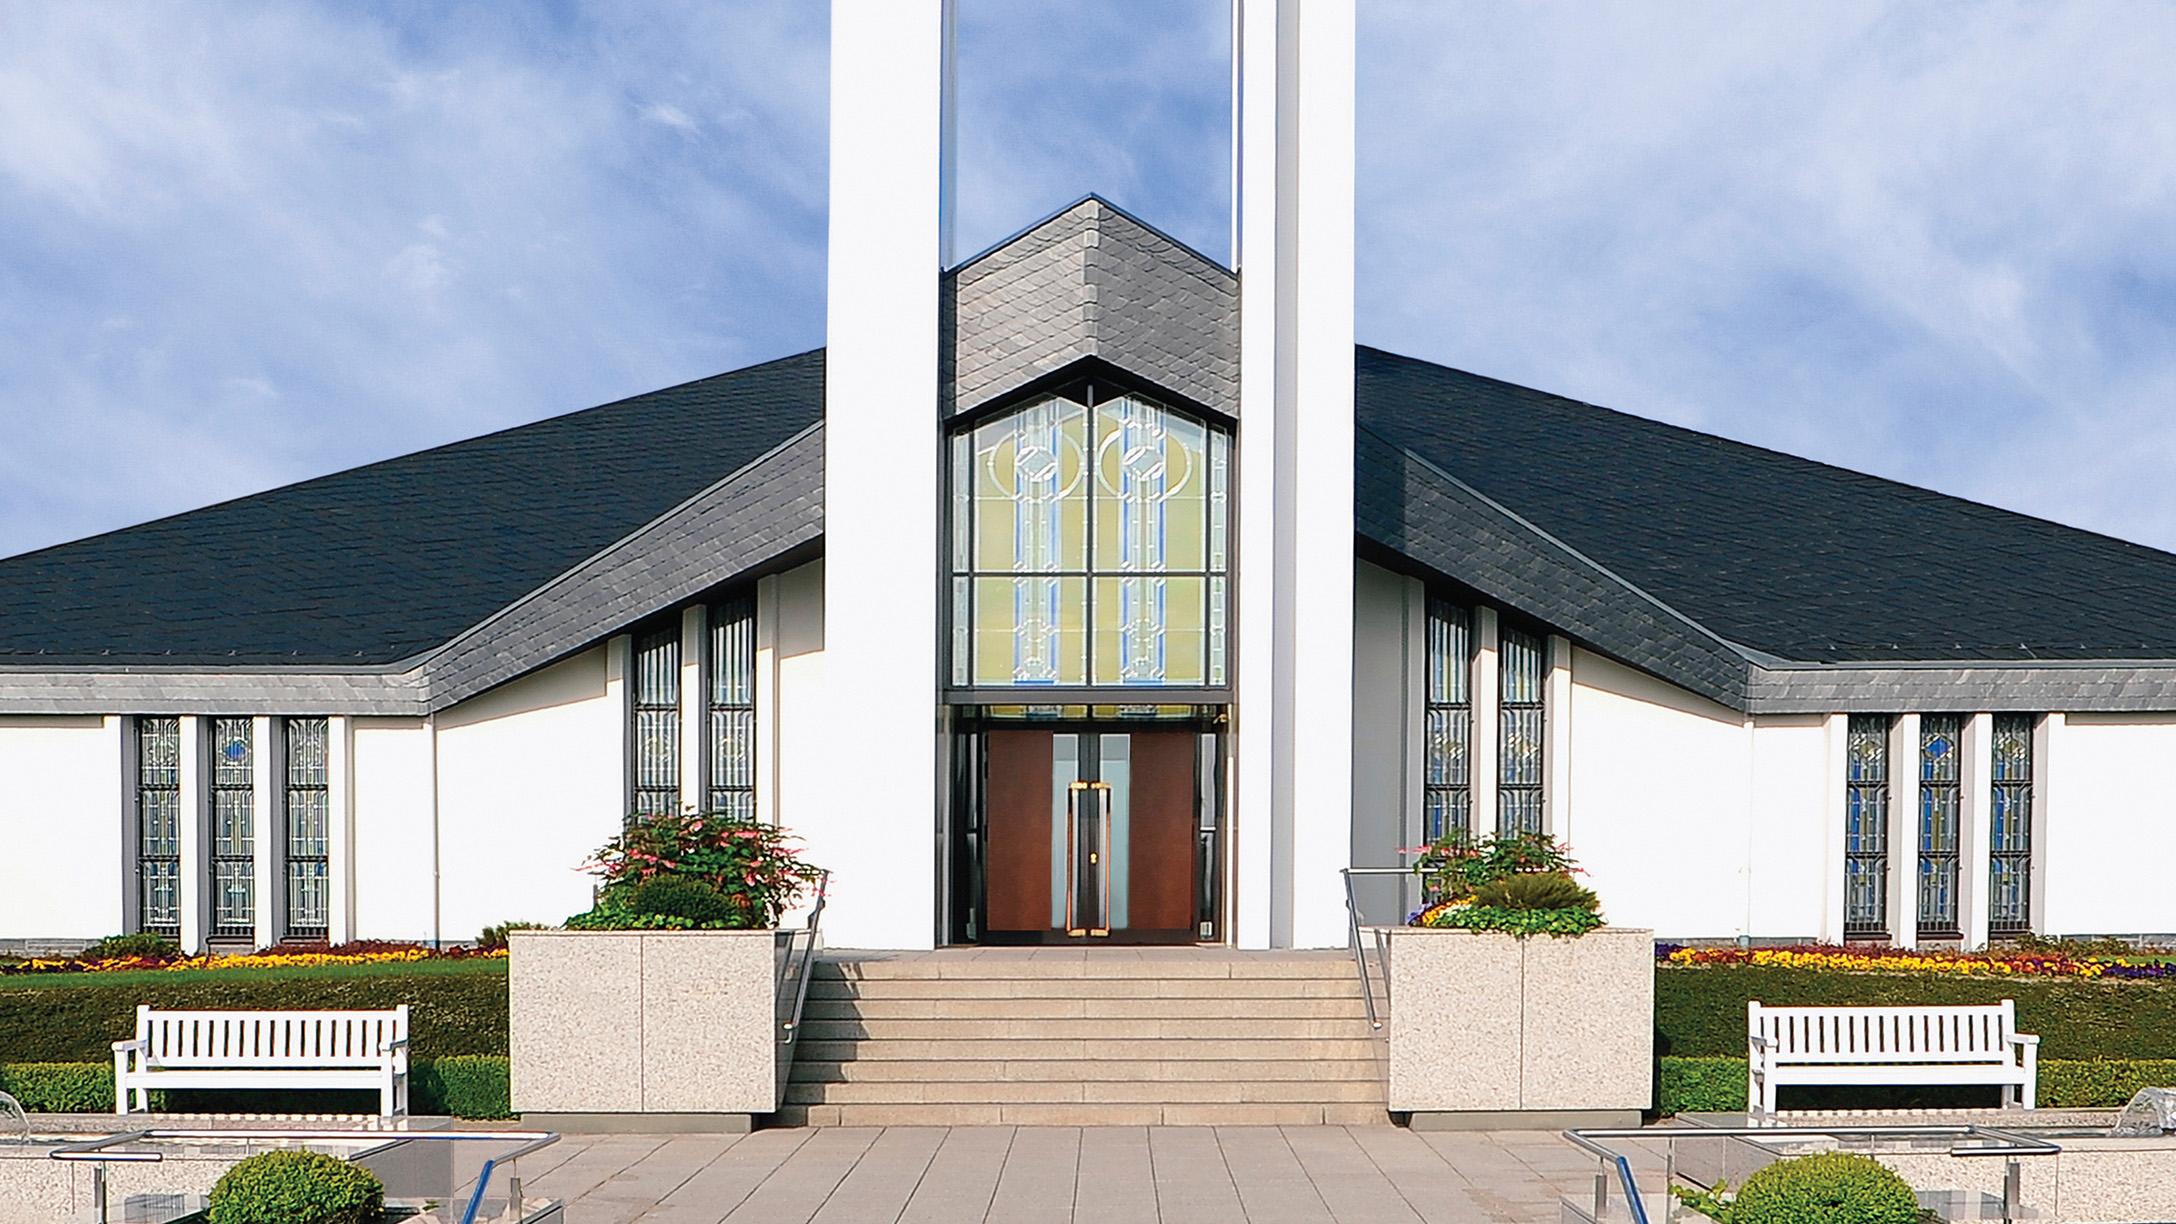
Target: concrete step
[[1136, 964], [1087, 1113], [858, 1070], [1043, 1048], [971, 1092], [1103, 1029], [835, 987], [1052, 1008]]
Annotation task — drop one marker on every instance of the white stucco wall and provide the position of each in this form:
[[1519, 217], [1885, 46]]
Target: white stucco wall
[[801, 741], [61, 823], [1389, 614], [393, 817], [2110, 853], [529, 784], [1660, 783], [1789, 828]]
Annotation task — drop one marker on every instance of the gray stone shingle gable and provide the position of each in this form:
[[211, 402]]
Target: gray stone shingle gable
[[1090, 281]]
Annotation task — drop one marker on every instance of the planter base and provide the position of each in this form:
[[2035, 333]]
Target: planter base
[[641, 1123], [1521, 1119]]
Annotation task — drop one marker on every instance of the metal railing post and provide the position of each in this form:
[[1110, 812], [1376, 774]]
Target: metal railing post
[[98, 1192], [2013, 1178], [1359, 946]]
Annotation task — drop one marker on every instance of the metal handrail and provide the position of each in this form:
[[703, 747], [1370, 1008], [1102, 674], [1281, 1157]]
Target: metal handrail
[[2008, 1143], [1359, 950], [95, 1150], [800, 974]]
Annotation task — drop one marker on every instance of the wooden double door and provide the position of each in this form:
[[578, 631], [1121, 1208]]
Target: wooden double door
[[1092, 835]]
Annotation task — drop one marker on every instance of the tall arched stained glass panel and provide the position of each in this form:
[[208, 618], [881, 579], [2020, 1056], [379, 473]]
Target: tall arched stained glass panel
[[1090, 547]]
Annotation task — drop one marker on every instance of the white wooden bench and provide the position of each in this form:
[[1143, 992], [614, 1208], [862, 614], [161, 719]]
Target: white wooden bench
[[1976, 1044], [264, 1049]]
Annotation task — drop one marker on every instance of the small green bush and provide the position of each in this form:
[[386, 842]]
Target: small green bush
[[296, 1187], [1545, 891], [67, 1087], [1572, 921], [1700, 1085], [122, 947], [682, 897], [495, 936], [1824, 1188], [465, 1086]]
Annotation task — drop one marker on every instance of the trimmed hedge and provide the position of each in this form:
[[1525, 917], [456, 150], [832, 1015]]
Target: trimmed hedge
[[1717, 1085], [448, 1013], [1700, 1011], [462, 1085]]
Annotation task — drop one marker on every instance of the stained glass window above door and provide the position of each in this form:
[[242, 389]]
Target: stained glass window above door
[[1090, 547]]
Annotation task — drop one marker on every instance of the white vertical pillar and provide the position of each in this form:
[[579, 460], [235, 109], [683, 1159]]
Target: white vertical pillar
[[694, 704], [1835, 792], [339, 829], [1294, 811], [1904, 832], [877, 832], [1486, 695], [1557, 724], [270, 829], [1416, 717], [1975, 774], [767, 699], [195, 852]]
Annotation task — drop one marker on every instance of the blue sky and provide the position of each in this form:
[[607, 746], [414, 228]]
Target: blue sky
[[243, 244]]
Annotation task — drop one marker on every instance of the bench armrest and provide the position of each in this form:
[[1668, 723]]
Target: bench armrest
[[1756, 1041], [2024, 1039], [401, 1043], [122, 1047]]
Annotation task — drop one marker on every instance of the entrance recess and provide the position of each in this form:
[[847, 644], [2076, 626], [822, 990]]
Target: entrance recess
[[1096, 834]]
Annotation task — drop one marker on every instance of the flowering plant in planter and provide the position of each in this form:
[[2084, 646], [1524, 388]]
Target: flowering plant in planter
[[695, 871], [1521, 883]]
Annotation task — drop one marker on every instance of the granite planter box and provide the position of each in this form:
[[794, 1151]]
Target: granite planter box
[[1489, 1029], [644, 1030]]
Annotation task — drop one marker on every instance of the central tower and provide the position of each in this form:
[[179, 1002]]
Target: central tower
[[1088, 526]]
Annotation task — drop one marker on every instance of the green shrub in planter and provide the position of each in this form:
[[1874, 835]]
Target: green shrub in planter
[[1825, 1188], [296, 1187], [123, 947]]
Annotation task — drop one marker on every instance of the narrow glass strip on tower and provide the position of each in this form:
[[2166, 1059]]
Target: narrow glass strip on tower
[[1941, 738], [309, 827], [656, 729], [2009, 862], [731, 785], [1523, 666], [1866, 828], [234, 829], [1447, 737], [158, 826]]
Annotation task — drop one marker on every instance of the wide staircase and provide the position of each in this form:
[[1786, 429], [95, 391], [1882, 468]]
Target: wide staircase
[[1085, 1037]]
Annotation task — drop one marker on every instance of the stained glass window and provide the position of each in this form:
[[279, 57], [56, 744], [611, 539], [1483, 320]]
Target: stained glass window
[[158, 825], [1940, 739], [309, 827], [1522, 665], [1090, 547], [655, 707], [731, 786], [234, 829], [1866, 827], [2009, 885], [1446, 777]]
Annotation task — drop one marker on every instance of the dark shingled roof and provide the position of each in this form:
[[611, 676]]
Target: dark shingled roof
[[378, 563], [1784, 555]]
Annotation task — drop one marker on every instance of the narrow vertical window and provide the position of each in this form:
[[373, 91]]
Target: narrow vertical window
[[1939, 803], [1523, 672], [1446, 778], [234, 829], [1866, 828], [2009, 863], [731, 785], [656, 730], [158, 826], [309, 827]]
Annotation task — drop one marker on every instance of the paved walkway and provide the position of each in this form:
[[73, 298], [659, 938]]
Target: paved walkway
[[1033, 1175]]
